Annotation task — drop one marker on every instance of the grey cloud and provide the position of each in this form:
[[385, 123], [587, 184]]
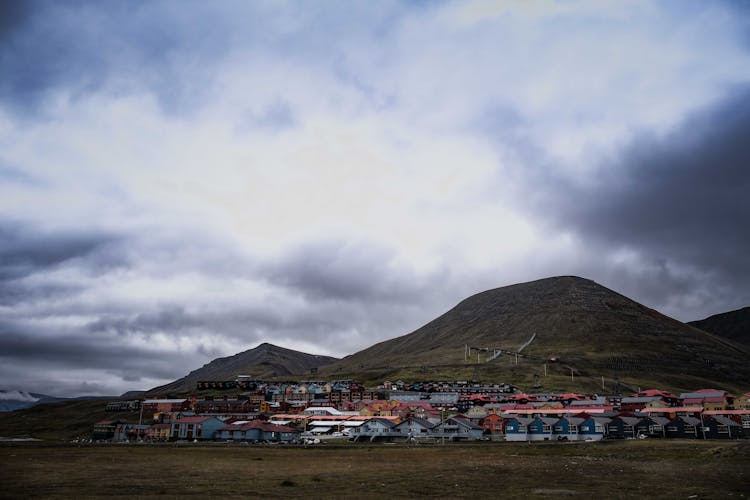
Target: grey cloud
[[24, 251], [680, 202], [349, 271], [80, 47]]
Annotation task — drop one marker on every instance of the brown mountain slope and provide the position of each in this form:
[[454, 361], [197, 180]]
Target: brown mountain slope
[[594, 332], [734, 325], [265, 361]]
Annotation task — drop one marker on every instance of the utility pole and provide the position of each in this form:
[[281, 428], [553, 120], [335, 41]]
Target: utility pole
[[545, 369], [602, 382], [571, 374]]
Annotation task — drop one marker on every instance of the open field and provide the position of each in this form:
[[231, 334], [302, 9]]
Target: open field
[[624, 469]]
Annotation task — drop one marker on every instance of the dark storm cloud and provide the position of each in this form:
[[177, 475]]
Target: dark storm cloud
[[25, 251], [680, 201], [69, 348]]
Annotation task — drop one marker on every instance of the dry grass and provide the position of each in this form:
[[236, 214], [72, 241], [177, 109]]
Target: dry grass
[[674, 469]]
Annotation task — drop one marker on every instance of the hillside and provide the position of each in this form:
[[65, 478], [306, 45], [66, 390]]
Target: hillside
[[591, 331], [265, 361], [734, 325]]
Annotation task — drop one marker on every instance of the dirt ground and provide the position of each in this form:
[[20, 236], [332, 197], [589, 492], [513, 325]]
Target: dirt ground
[[624, 469]]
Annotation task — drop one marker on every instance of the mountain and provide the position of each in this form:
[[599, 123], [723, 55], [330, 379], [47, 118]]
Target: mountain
[[734, 325], [16, 400], [265, 361], [571, 332]]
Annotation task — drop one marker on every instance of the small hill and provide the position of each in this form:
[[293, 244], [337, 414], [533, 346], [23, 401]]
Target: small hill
[[16, 400], [265, 361], [599, 339], [733, 325]]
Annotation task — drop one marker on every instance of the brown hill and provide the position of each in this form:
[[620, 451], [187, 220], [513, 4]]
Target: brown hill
[[266, 361], [597, 337], [734, 325]]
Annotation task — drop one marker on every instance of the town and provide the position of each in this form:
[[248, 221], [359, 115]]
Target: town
[[423, 412]]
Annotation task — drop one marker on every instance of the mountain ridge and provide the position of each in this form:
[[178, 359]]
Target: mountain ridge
[[264, 361], [733, 325]]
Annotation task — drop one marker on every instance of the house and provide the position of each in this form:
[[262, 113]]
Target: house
[[684, 427], [651, 426], [223, 406], [126, 432], [105, 429], [720, 427], [258, 431], [414, 428], [636, 403], [529, 429], [203, 428], [709, 399], [476, 414], [375, 429], [667, 398], [566, 428], [159, 432], [493, 424], [592, 428], [456, 428], [517, 428], [622, 427], [416, 409], [742, 402], [166, 405]]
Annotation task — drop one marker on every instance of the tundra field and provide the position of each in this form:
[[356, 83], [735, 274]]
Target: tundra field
[[623, 469]]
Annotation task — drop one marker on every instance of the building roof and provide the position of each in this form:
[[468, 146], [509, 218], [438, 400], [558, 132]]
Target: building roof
[[655, 392], [416, 420], [724, 420], [192, 420], [655, 419], [674, 409], [688, 420], [639, 399], [702, 394], [572, 420], [726, 412], [554, 411]]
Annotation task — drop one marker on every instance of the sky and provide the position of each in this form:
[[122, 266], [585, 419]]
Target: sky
[[184, 180]]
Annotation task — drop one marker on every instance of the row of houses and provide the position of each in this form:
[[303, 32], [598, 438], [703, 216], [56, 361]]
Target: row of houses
[[430, 405], [580, 427], [586, 427]]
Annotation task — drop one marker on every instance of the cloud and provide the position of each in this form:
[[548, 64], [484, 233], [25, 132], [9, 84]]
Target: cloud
[[17, 396], [25, 251]]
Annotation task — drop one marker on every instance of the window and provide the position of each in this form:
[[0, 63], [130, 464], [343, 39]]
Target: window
[[723, 429]]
